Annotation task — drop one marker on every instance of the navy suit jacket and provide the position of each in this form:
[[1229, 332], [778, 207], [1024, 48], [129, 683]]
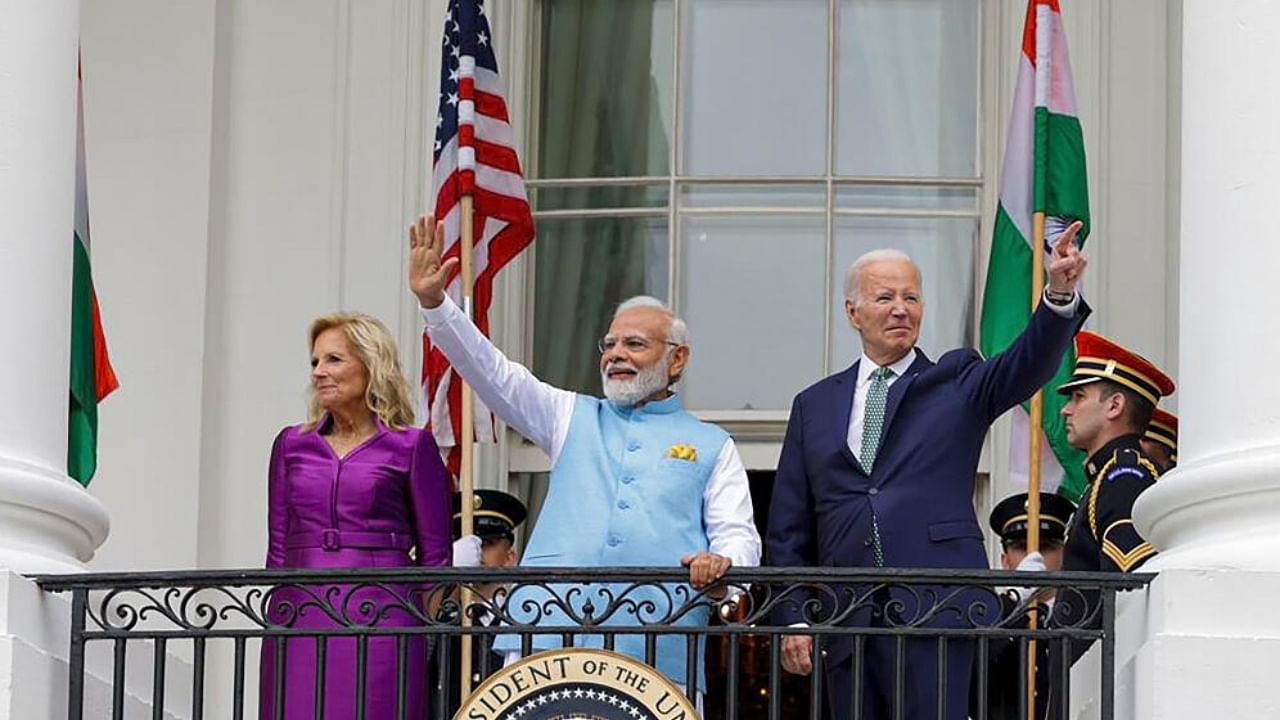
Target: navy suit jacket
[[922, 484]]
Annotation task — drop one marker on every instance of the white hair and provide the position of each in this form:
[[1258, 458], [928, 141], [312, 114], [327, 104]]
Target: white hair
[[677, 332], [853, 277]]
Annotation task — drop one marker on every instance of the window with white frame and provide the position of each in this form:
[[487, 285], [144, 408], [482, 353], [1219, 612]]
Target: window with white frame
[[733, 157]]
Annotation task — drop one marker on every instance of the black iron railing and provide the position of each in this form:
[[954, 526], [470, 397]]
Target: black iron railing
[[729, 633]]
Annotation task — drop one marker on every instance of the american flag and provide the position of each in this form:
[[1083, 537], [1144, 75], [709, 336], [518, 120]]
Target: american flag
[[475, 154]]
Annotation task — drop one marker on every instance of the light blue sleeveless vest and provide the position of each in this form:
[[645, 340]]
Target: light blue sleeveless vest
[[627, 490]]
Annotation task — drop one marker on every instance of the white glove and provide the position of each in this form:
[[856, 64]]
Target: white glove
[[1033, 562], [466, 551]]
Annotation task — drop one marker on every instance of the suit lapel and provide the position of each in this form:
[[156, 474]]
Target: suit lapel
[[848, 382], [899, 389]]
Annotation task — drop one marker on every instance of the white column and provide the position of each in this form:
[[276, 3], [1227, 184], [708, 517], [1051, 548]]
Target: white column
[[1221, 507], [1207, 629], [47, 521]]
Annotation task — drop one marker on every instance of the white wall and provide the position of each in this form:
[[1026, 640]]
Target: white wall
[[310, 209], [148, 67], [253, 163]]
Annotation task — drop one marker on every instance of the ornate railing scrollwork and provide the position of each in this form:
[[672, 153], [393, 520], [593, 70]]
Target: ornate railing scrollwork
[[273, 602]]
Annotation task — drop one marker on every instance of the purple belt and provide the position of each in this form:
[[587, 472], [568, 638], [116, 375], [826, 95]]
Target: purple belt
[[332, 539]]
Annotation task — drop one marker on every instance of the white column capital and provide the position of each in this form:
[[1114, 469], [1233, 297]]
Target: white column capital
[[1222, 511], [48, 523]]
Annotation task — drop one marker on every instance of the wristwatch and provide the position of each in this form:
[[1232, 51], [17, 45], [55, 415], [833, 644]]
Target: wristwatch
[[1058, 298]]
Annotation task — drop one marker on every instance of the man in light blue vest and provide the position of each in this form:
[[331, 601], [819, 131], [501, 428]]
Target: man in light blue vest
[[635, 480]]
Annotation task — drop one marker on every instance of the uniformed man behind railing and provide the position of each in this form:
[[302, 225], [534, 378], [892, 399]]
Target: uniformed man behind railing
[[1009, 520], [496, 516]]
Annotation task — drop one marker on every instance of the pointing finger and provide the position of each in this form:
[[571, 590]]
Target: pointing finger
[[1068, 240]]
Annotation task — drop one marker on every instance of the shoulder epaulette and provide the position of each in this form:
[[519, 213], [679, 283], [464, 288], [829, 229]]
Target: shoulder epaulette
[[1125, 462]]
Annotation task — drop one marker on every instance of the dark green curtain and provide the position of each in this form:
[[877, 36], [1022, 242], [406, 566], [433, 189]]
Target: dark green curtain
[[600, 117]]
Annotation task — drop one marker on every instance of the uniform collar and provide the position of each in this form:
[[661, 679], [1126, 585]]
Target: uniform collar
[[1100, 458]]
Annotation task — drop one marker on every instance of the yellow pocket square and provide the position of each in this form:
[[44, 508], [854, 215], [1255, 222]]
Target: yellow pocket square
[[683, 452]]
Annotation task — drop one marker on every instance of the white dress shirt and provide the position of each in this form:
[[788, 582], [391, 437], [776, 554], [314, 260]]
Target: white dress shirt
[[857, 415], [542, 413]]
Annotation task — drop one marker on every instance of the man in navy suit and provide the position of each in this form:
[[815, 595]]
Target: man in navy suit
[[878, 469]]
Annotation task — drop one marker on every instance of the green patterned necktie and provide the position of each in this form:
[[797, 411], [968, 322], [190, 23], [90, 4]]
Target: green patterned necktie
[[873, 416], [872, 425]]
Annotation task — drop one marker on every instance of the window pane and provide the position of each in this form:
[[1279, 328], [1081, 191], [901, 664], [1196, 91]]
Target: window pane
[[751, 289], [907, 88], [754, 76], [591, 198], [605, 94], [811, 196], [943, 248], [584, 268], [907, 198]]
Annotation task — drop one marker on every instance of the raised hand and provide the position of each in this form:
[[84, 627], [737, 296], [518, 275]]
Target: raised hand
[[428, 274], [1067, 263]]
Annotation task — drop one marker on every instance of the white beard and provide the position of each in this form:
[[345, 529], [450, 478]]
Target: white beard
[[646, 383]]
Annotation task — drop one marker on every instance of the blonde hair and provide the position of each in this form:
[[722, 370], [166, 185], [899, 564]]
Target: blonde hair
[[388, 395]]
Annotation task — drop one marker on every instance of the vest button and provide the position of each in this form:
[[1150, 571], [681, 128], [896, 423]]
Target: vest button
[[633, 446], [614, 541], [623, 504], [627, 479], [873, 491]]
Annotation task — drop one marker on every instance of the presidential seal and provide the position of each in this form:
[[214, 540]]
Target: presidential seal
[[577, 684]]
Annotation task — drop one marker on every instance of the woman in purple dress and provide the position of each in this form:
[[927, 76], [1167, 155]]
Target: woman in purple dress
[[357, 486]]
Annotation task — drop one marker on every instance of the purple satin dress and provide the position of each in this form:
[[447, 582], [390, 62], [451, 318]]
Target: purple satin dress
[[362, 511]]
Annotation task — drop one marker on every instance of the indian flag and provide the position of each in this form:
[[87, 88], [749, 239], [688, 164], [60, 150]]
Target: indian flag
[[1044, 171], [92, 377]]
